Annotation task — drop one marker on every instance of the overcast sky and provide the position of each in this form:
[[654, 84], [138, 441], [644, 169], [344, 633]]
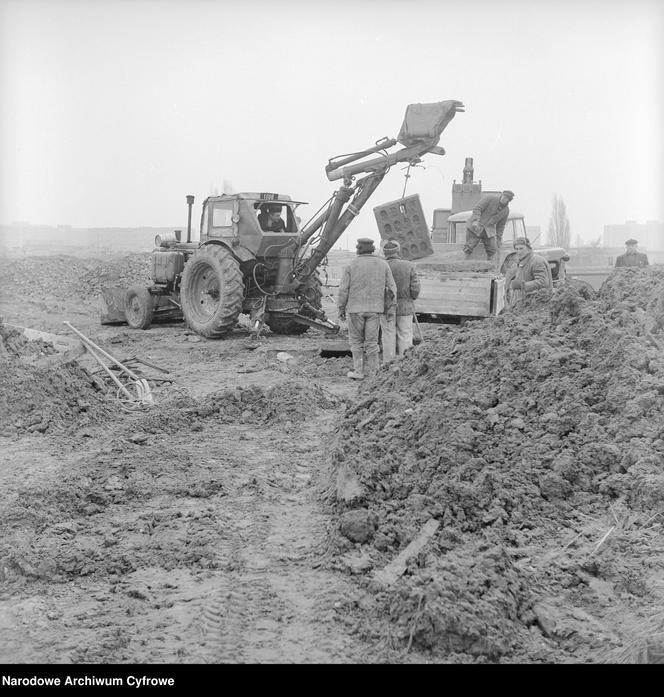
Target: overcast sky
[[113, 111]]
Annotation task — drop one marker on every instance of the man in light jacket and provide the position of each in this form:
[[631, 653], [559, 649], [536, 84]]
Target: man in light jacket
[[397, 324], [531, 273], [366, 290], [487, 223]]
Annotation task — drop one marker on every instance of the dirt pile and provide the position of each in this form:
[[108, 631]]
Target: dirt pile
[[61, 276], [512, 432], [129, 270], [15, 345], [43, 276], [43, 399]]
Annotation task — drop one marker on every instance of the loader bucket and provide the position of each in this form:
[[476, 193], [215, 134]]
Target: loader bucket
[[424, 122], [113, 305]]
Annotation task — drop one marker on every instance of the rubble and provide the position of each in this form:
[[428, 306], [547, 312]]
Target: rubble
[[509, 431]]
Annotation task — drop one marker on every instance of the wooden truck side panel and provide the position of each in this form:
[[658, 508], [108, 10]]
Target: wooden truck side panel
[[461, 295]]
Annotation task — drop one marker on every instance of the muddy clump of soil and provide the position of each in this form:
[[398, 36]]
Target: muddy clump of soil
[[509, 431], [41, 399]]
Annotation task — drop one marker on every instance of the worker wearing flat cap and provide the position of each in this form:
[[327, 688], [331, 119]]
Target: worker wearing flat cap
[[397, 323], [366, 291], [487, 223], [531, 273], [632, 256], [270, 218]]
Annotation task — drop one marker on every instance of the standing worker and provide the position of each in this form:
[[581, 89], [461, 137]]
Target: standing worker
[[632, 256], [397, 323], [487, 223], [531, 273], [366, 291]]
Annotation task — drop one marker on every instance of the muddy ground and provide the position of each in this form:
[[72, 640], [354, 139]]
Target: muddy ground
[[244, 516]]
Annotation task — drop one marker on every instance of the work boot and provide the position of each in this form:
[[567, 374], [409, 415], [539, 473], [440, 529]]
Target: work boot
[[358, 366], [373, 361]]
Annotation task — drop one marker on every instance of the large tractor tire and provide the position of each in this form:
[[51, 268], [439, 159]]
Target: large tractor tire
[[313, 292], [211, 291], [139, 307]]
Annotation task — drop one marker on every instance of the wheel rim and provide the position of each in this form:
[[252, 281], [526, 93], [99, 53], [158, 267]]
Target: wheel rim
[[134, 308], [206, 292]]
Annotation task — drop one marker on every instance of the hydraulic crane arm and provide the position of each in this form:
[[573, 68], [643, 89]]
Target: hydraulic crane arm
[[420, 133]]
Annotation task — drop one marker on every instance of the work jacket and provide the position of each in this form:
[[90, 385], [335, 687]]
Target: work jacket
[[490, 214], [366, 285], [534, 273], [408, 284], [632, 259]]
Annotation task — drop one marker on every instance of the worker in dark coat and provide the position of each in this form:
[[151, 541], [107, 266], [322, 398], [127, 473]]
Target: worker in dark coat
[[632, 256], [397, 323], [366, 291], [270, 218], [531, 273], [487, 223]]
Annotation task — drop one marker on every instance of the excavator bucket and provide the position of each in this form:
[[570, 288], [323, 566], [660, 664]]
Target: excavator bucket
[[424, 122], [113, 305]]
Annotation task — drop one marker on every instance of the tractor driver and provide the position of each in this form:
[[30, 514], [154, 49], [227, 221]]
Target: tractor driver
[[270, 218]]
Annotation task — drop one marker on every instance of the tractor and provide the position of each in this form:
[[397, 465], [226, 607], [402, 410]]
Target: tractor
[[242, 265]]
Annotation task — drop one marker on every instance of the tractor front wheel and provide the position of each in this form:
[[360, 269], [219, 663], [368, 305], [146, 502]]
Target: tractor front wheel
[[139, 307], [211, 291]]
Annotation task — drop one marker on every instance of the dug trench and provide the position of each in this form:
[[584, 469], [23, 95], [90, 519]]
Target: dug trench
[[189, 532], [248, 515]]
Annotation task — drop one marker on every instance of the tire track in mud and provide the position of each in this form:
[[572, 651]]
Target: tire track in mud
[[272, 606]]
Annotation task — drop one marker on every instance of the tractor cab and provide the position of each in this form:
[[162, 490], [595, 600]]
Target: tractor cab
[[242, 220]]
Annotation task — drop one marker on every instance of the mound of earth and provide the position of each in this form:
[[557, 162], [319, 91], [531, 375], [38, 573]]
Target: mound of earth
[[62, 276], [43, 399], [513, 433], [126, 271]]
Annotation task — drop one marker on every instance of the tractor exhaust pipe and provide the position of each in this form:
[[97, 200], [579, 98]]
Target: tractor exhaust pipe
[[190, 203]]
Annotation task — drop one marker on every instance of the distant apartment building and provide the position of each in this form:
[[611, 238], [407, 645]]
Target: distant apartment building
[[649, 235]]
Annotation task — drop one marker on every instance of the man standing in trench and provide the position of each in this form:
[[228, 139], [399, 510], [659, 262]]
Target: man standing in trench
[[531, 273], [397, 323], [366, 291], [632, 256], [487, 223]]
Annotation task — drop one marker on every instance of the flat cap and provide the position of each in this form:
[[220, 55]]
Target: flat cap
[[631, 242], [365, 244]]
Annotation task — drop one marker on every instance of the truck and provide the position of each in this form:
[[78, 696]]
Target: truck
[[237, 267], [453, 287]]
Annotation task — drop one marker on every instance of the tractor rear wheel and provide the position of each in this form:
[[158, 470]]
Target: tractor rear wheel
[[211, 291], [139, 307], [313, 293]]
